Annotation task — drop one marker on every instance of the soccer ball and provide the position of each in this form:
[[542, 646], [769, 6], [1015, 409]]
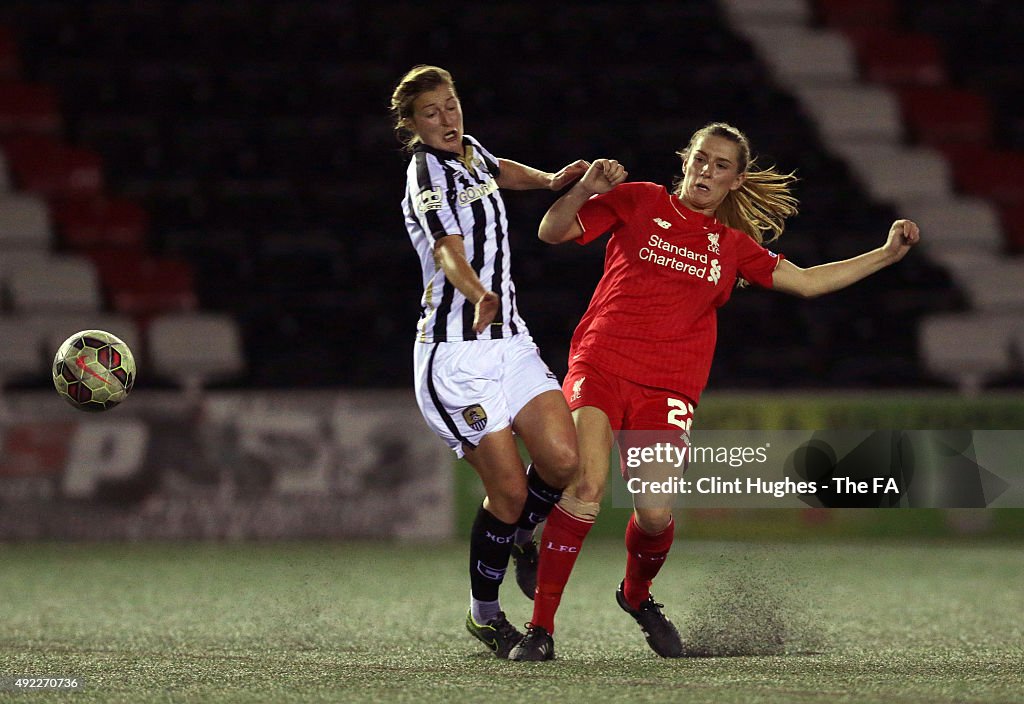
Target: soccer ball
[[93, 370]]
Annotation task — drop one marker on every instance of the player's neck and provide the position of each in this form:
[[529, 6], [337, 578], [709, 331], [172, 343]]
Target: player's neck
[[707, 212]]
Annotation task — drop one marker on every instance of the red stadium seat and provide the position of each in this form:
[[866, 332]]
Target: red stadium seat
[[102, 222], [9, 64], [844, 14], [939, 116], [28, 108], [991, 174], [53, 169], [899, 59], [141, 285], [1013, 228]]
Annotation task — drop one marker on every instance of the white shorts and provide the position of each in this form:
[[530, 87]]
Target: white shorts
[[466, 390]]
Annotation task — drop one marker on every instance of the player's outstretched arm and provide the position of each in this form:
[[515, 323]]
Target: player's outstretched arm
[[520, 177], [825, 278], [559, 224], [450, 254]]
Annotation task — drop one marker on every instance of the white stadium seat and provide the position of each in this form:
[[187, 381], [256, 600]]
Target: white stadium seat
[[993, 286], [194, 349], [23, 356], [767, 11], [24, 222], [852, 112], [13, 259], [802, 57], [61, 284], [895, 173], [955, 224], [967, 349]]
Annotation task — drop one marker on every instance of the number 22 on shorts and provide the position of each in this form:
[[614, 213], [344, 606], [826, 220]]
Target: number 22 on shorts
[[680, 414]]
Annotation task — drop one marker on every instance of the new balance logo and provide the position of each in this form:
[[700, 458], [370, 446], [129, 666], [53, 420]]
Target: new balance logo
[[662, 224]]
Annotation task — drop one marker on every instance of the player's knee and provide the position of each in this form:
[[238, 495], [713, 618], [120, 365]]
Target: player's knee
[[586, 490], [572, 504], [507, 505], [653, 520], [559, 465]]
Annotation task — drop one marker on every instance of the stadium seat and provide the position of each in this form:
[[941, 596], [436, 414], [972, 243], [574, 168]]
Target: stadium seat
[[800, 57], [55, 170], [939, 115], [901, 59], [58, 284], [847, 14], [767, 11], [28, 108], [966, 349], [996, 175], [23, 356], [853, 112], [895, 173], [24, 222], [101, 222], [12, 260], [991, 285], [955, 224], [141, 285], [195, 349], [1013, 228]]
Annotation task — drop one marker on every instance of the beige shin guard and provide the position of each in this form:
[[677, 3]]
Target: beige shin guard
[[584, 510]]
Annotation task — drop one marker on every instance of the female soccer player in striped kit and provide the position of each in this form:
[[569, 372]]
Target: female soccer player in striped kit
[[479, 376], [641, 354]]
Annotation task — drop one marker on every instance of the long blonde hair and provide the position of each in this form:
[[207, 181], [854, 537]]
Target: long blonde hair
[[762, 204], [418, 80]]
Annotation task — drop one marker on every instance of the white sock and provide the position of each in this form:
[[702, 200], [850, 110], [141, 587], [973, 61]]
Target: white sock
[[484, 611]]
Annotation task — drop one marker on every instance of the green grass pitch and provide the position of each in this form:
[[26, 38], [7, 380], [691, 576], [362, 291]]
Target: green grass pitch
[[299, 622]]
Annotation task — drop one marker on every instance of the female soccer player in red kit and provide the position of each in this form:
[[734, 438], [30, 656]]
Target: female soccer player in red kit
[[642, 352]]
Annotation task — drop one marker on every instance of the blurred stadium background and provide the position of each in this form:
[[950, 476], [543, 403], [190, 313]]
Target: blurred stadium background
[[218, 184]]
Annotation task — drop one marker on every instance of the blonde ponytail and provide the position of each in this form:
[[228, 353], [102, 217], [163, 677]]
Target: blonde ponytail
[[761, 205]]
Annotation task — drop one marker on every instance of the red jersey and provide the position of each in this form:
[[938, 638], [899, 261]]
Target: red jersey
[[667, 269]]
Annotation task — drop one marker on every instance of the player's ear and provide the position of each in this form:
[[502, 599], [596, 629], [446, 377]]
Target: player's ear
[[738, 182]]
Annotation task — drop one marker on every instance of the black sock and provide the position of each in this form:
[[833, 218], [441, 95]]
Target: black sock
[[490, 544], [540, 499]]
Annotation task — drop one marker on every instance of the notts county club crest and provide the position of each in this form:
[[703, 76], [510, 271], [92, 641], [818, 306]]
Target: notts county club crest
[[475, 417]]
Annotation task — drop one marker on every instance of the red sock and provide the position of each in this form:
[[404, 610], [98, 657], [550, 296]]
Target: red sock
[[645, 554], [559, 546]]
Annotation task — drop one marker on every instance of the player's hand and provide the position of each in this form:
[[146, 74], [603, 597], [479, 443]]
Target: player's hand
[[568, 174], [603, 175], [486, 309], [903, 235]]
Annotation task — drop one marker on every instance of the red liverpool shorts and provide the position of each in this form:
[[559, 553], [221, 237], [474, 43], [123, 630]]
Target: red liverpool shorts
[[663, 415]]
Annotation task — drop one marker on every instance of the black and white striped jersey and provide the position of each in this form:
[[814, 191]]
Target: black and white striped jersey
[[447, 194]]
